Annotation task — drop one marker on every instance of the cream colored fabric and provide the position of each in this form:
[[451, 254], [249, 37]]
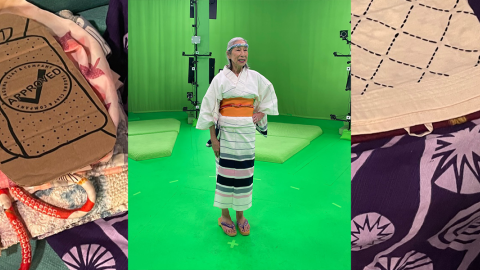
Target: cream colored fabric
[[429, 127], [414, 62]]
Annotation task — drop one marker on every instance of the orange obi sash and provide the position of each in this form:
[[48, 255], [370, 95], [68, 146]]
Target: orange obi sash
[[237, 107]]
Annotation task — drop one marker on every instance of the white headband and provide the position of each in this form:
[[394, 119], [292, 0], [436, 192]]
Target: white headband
[[237, 45]]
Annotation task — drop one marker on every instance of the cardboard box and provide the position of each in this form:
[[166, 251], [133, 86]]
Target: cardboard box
[[51, 121]]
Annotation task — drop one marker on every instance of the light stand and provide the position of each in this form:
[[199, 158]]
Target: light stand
[[195, 41], [343, 36]]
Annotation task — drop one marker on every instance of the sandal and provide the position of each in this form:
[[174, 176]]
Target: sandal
[[225, 226], [242, 228]]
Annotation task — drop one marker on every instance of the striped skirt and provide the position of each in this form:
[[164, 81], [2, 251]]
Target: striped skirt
[[235, 168]]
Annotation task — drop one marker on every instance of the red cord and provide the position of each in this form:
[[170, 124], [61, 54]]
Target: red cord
[[19, 228], [236, 106], [45, 208], [39, 206]]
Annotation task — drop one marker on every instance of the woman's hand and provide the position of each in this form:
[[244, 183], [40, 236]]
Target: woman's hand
[[216, 147], [257, 117]]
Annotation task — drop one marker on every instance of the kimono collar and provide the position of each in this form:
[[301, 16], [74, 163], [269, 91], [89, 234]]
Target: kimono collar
[[242, 77]]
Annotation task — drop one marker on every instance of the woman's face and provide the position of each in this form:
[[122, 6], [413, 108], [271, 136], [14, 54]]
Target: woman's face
[[239, 55]]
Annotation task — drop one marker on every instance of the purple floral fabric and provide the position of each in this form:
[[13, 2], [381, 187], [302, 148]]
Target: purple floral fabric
[[475, 5], [98, 245], [416, 201]]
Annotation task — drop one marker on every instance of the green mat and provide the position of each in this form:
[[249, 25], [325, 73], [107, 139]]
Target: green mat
[[153, 126], [346, 135], [277, 149], [133, 118], [149, 146], [307, 132], [283, 141]]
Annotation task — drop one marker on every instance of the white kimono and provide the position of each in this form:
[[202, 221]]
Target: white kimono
[[249, 84], [236, 134]]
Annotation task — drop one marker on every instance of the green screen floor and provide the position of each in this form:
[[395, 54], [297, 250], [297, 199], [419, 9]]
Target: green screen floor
[[300, 218]]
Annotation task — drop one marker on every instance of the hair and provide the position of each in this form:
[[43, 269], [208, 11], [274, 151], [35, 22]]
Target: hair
[[230, 43]]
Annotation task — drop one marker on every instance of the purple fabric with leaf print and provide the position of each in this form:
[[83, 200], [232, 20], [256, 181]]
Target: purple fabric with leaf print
[[102, 244], [416, 201], [475, 5]]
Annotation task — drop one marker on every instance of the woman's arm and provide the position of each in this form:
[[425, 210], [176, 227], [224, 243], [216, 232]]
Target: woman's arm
[[215, 142], [209, 107], [267, 105]]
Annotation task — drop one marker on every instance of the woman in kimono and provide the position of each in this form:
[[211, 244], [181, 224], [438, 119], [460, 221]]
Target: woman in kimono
[[234, 107]]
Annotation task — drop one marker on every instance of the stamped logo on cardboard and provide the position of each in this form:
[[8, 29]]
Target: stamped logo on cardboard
[[51, 120], [49, 86]]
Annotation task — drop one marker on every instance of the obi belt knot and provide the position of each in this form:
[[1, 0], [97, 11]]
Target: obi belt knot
[[237, 107]]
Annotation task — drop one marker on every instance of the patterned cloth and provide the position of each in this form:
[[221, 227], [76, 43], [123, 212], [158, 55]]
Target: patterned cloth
[[476, 7], [237, 45], [116, 36], [98, 245], [235, 168], [418, 129], [112, 198], [407, 52], [416, 201]]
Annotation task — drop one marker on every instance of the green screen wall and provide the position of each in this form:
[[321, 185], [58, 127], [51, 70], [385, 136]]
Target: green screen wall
[[291, 44]]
